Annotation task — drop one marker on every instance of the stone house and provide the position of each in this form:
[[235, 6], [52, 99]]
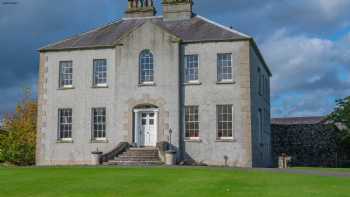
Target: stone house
[[144, 79]]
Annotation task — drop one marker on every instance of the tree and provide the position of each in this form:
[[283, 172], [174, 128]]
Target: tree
[[18, 147], [341, 117]]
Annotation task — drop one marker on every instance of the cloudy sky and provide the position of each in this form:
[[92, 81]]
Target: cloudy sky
[[305, 42]]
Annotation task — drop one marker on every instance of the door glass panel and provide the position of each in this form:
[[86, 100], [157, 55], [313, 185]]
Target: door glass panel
[[144, 115], [151, 115], [144, 121], [151, 121]]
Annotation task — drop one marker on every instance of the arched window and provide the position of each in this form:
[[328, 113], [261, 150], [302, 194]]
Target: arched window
[[146, 67]]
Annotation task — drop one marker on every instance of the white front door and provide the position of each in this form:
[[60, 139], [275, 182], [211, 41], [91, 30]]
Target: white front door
[[148, 129]]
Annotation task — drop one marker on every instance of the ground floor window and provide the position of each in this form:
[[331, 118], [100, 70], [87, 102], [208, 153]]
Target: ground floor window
[[224, 121], [98, 123], [65, 124], [192, 122]]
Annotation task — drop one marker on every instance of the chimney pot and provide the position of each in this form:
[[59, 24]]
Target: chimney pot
[[140, 8]]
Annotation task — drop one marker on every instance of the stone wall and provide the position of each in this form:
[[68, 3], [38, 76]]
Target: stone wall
[[308, 145]]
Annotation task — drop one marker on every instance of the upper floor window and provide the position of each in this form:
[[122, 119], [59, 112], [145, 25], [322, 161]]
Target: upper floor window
[[192, 122], [66, 74], [146, 67], [224, 67], [224, 121], [100, 73], [191, 68], [99, 123], [65, 124]]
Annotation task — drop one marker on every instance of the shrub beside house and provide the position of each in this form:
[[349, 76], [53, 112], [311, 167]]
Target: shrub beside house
[[3, 132], [310, 141]]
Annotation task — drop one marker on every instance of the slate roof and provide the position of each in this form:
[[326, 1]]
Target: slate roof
[[197, 29], [298, 120]]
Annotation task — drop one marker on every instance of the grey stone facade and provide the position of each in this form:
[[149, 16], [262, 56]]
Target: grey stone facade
[[168, 93]]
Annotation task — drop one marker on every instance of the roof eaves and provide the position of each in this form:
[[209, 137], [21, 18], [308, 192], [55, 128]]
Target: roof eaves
[[78, 48], [217, 40]]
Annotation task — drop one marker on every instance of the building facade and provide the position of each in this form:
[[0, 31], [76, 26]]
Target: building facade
[[144, 79]]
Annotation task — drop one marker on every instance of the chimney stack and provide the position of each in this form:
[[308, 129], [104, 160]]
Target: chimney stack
[[174, 10], [140, 8]]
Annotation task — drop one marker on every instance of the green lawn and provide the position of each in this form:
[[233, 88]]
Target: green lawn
[[168, 182], [347, 170]]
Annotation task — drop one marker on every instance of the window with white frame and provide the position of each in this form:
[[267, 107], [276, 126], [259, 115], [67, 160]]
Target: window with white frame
[[99, 123], [191, 68], [192, 122], [100, 72], [146, 67], [65, 124], [224, 64], [224, 121], [66, 74]]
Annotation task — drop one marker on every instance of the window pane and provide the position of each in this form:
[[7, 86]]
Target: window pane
[[191, 67], [100, 72], [65, 73], [191, 121], [146, 66], [65, 123], [224, 62], [99, 122], [224, 121]]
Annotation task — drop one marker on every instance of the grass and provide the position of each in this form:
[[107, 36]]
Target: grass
[[347, 170], [129, 182]]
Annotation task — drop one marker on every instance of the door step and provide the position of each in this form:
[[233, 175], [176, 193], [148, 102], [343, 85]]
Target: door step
[[137, 156], [134, 163]]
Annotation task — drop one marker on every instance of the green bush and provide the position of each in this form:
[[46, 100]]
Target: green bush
[[15, 149], [18, 145]]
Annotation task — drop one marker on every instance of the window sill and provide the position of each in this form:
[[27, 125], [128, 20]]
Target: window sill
[[99, 141], [66, 88], [99, 86], [198, 140], [61, 141], [225, 140], [192, 83], [147, 84], [225, 82]]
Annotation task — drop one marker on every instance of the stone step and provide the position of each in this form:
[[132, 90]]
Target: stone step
[[142, 151], [143, 156], [133, 163], [137, 159], [143, 148], [138, 155]]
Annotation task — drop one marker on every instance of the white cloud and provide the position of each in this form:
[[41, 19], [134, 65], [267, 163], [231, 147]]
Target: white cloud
[[332, 8], [306, 73]]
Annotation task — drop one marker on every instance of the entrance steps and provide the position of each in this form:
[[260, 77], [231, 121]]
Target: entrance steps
[[137, 157]]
